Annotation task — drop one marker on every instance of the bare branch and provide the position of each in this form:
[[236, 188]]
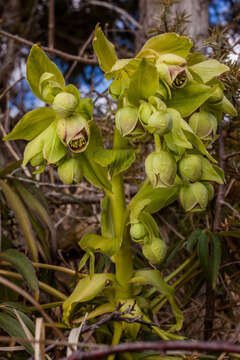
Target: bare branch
[[116, 9], [52, 51], [4, 93], [160, 346]]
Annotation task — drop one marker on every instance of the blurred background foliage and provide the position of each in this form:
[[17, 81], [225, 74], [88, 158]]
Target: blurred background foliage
[[42, 220]]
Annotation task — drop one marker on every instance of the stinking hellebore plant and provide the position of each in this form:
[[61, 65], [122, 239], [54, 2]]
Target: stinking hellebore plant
[[165, 91]]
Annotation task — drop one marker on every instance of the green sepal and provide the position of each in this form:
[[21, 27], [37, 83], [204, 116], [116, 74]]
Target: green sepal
[[32, 124], [144, 83], [53, 149], [104, 50], [169, 43], [37, 64], [86, 289], [97, 243], [93, 172], [117, 160]]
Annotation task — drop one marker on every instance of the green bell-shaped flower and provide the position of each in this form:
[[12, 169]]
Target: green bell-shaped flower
[[126, 120], [74, 132], [65, 104], [160, 122], [70, 171], [174, 75], [154, 249], [204, 124], [194, 197], [145, 111], [190, 167], [48, 87], [161, 169], [138, 231]]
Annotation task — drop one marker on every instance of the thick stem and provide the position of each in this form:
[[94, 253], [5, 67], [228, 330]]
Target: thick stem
[[123, 259]]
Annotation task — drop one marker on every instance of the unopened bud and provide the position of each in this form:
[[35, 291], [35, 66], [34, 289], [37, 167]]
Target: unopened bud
[[194, 197], [161, 169], [190, 167], [70, 171], [65, 104], [126, 120], [155, 250], [161, 122], [137, 231], [48, 87], [204, 124]]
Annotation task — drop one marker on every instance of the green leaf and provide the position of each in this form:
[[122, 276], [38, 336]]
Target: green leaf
[[189, 98], [23, 265], [154, 278], [85, 108], [104, 50], [232, 233], [215, 258], [85, 290], [22, 217], [195, 58], [144, 82], [93, 172], [14, 329], [169, 43], [203, 254], [53, 149], [98, 243], [39, 209], [107, 226], [118, 160], [37, 64], [10, 168], [32, 124], [209, 69], [192, 240]]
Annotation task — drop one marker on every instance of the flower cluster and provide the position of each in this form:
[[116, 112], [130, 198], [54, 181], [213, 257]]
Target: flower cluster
[[57, 133]]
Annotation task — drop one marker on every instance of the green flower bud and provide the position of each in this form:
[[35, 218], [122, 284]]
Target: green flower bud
[[190, 167], [210, 190], [155, 250], [126, 120], [194, 197], [204, 124], [74, 132], [70, 171], [161, 122], [216, 97], [48, 87], [145, 111], [161, 169], [137, 231], [157, 103], [64, 104]]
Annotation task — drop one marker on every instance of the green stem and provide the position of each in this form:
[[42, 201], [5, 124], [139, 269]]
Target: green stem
[[123, 259], [158, 145]]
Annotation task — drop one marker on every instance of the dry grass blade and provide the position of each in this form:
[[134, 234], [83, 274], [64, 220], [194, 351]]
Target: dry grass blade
[[39, 348]]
